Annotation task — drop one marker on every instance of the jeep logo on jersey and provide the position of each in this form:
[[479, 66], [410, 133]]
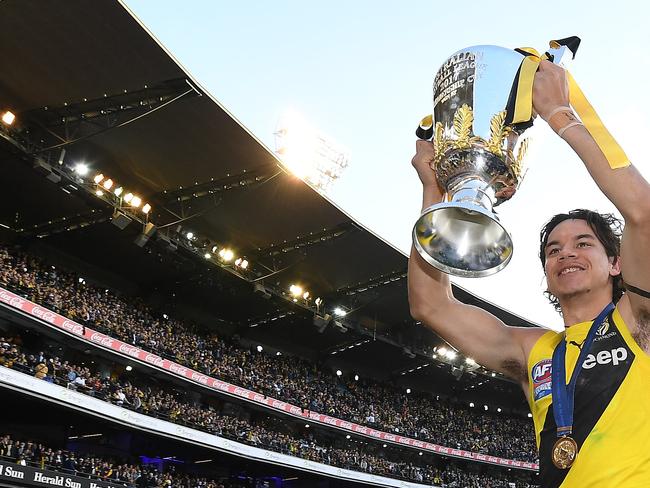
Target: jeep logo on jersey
[[615, 356], [541, 374]]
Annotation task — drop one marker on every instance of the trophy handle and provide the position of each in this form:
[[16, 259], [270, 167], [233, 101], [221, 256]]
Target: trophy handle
[[425, 128], [558, 49]]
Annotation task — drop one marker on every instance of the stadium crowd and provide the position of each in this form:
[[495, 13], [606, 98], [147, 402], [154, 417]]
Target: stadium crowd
[[35, 454], [380, 406], [269, 433]]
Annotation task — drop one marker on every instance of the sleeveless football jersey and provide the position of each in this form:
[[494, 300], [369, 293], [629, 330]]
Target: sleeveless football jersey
[[612, 408]]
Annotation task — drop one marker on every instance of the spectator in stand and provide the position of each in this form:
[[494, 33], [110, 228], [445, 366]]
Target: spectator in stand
[[70, 464], [41, 370], [79, 382]]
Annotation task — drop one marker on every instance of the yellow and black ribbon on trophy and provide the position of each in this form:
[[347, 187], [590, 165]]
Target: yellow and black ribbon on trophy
[[519, 108]]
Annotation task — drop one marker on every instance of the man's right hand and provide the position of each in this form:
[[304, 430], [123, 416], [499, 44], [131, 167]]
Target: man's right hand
[[425, 153]]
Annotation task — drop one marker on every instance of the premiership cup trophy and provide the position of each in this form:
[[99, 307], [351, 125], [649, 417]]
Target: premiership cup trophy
[[476, 125]]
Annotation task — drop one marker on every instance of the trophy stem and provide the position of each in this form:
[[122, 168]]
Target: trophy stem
[[472, 190]]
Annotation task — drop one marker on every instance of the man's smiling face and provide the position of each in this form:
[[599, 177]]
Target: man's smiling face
[[576, 261]]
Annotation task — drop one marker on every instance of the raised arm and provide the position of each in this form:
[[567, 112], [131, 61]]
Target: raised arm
[[475, 332], [624, 187]]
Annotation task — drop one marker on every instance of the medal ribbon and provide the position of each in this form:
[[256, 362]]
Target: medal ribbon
[[563, 394]]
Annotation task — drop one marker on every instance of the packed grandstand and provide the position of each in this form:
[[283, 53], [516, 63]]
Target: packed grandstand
[[136, 351], [381, 406]]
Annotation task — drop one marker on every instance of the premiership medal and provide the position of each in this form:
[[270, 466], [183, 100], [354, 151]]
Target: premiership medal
[[564, 452], [565, 449]]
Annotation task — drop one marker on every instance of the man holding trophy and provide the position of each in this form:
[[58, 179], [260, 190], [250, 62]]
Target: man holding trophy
[[589, 387]]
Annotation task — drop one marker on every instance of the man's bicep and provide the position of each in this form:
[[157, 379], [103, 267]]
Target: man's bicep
[[481, 336]]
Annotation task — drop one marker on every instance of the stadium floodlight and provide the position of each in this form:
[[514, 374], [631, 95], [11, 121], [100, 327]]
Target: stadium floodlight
[[306, 426], [499, 409], [471, 404], [318, 301], [129, 368], [408, 391], [98, 178], [470, 362], [485, 407], [530, 415], [99, 193], [443, 351], [347, 436], [241, 263], [136, 201], [128, 197], [278, 353], [108, 184], [146, 208], [207, 255], [226, 254], [451, 354], [296, 290], [190, 236], [118, 191], [384, 445], [309, 154], [81, 169], [260, 348], [420, 453], [8, 117], [215, 249], [493, 375], [305, 295], [339, 312], [339, 372], [356, 377]]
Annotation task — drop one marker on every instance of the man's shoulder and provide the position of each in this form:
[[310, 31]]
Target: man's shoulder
[[525, 335], [528, 337]]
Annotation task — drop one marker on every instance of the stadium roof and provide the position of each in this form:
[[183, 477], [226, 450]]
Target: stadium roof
[[88, 78]]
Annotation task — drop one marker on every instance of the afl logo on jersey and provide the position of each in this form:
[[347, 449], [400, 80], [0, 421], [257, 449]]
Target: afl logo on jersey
[[541, 375]]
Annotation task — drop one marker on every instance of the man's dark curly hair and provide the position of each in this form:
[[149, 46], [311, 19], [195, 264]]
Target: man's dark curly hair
[[608, 230]]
